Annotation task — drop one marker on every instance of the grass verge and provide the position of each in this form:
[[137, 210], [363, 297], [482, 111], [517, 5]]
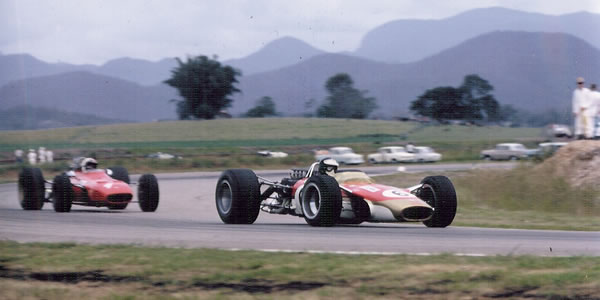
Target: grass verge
[[518, 198], [68, 271]]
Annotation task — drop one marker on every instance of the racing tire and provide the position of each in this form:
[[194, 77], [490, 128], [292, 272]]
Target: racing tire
[[321, 201], [148, 193], [237, 196], [439, 193], [62, 193], [117, 206], [31, 189], [119, 173]]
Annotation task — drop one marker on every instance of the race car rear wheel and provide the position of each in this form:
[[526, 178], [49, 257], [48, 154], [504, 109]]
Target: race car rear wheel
[[31, 189], [321, 201], [237, 196], [62, 193], [148, 193], [438, 191], [118, 173]]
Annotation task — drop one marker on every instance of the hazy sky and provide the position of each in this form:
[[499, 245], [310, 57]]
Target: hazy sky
[[94, 31]]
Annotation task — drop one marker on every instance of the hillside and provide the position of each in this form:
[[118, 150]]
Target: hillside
[[531, 71], [279, 53], [24, 66], [404, 41], [87, 93], [138, 70]]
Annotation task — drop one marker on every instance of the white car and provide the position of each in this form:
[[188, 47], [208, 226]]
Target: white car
[[161, 155], [558, 130], [425, 154], [343, 155], [510, 151], [391, 154], [274, 154], [550, 148]]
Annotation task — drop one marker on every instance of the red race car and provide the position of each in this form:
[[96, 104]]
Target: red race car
[[325, 196], [85, 184]]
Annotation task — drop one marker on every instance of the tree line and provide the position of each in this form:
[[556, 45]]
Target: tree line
[[206, 87]]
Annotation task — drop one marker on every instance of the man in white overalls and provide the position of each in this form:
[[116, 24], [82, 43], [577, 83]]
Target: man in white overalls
[[582, 111], [595, 99]]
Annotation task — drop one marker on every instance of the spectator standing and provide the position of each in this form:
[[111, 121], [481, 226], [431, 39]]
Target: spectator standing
[[595, 99], [49, 156], [584, 124], [19, 156], [32, 157], [42, 155]]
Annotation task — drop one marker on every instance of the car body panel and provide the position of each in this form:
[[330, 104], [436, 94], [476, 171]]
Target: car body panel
[[386, 203], [97, 188]]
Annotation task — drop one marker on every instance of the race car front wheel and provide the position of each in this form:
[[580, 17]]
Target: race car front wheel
[[148, 193], [31, 189], [321, 201], [237, 196], [439, 193], [62, 193]]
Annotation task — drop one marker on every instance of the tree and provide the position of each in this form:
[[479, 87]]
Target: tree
[[205, 85], [344, 101], [471, 101], [265, 107]]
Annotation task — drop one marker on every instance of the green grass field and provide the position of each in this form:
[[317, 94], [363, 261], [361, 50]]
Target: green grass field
[[69, 271], [216, 144], [254, 132]]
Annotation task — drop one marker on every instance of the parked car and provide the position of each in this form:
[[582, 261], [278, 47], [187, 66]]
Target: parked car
[[508, 151], [558, 130], [343, 155], [161, 155], [391, 154], [547, 149], [274, 154], [425, 154]]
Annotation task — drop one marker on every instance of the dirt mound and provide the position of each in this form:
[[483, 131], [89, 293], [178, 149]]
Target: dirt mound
[[578, 162]]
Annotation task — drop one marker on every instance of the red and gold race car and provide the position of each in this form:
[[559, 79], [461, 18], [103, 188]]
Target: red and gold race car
[[85, 184], [326, 196]]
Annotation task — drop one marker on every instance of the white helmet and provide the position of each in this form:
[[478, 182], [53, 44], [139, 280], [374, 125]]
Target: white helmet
[[327, 165], [88, 163]]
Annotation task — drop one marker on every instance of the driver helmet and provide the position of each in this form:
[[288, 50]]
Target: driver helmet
[[88, 163], [328, 165]]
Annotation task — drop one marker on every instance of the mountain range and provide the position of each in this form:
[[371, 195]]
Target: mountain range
[[83, 92], [530, 70], [404, 41]]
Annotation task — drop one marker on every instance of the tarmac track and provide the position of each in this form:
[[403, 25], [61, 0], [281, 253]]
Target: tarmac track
[[187, 217]]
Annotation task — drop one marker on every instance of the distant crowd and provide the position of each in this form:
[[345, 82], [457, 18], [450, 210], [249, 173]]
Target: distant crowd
[[42, 156], [586, 110]]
